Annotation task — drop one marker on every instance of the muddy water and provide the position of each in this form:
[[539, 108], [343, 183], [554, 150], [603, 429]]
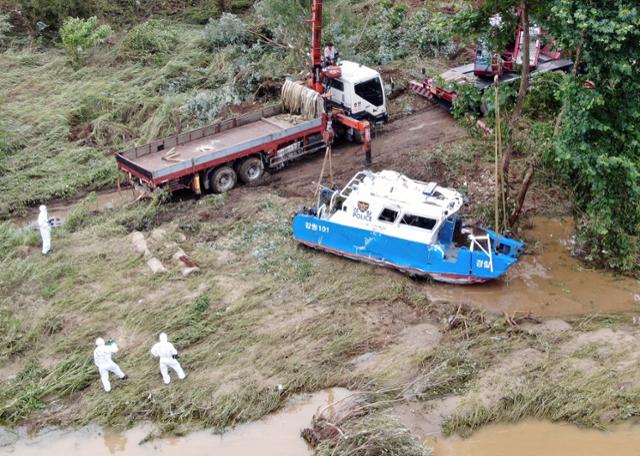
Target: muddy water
[[548, 283], [106, 199], [535, 438], [275, 435]]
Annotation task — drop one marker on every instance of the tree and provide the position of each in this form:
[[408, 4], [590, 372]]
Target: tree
[[597, 141], [79, 35]]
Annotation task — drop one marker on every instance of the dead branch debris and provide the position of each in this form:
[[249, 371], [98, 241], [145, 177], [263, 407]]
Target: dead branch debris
[[518, 317]]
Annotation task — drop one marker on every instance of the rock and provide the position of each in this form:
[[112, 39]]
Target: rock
[[7, 437], [158, 234], [139, 243], [187, 265], [156, 265]]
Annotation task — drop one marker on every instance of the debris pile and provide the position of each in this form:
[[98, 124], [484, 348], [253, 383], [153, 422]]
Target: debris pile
[[183, 261]]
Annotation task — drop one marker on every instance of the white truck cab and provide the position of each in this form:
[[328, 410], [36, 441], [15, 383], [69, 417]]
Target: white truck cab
[[359, 91]]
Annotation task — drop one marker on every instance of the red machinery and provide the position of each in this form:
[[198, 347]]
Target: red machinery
[[543, 58], [320, 73]]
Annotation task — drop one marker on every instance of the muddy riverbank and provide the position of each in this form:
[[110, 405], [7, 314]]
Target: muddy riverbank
[[548, 281], [275, 435]]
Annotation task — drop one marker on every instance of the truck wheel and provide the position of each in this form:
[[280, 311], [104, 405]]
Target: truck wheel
[[223, 179], [251, 171]]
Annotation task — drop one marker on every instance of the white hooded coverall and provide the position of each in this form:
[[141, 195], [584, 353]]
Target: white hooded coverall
[[102, 359], [45, 229], [165, 351]]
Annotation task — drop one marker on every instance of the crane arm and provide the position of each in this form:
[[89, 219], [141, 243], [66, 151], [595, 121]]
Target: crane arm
[[316, 45]]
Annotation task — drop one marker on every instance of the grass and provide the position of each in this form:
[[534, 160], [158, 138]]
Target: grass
[[590, 401], [242, 327], [117, 99], [262, 312]]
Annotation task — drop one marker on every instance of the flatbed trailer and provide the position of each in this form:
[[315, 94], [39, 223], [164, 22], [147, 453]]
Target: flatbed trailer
[[215, 156], [444, 93]]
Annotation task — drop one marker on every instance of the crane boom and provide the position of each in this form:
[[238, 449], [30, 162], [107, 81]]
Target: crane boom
[[316, 45], [316, 83]]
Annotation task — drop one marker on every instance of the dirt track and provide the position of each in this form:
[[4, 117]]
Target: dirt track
[[420, 131], [423, 130]]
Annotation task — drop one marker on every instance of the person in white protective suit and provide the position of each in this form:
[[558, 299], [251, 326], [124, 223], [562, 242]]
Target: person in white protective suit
[[167, 354], [45, 229], [102, 359]]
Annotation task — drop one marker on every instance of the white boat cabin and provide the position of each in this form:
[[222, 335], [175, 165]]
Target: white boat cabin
[[390, 203]]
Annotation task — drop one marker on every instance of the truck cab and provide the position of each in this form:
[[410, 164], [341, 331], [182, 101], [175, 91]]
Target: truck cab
[[360, 91]]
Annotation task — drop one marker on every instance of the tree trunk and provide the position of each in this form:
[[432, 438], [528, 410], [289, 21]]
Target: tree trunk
[[524, 86], [526, 182], [524, 75], [221, 5]]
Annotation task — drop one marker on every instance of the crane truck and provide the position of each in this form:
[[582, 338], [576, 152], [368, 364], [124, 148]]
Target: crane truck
[[543, 57], [215, 157]]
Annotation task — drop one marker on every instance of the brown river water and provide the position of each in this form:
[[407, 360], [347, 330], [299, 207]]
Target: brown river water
[[279, 435], [540, 438], [274, 435], [550, 282]]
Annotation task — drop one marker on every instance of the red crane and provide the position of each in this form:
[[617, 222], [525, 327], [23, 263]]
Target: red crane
[[319, 73]]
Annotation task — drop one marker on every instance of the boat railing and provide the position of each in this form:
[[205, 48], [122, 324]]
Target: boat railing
[[353, 184], [475, 241]]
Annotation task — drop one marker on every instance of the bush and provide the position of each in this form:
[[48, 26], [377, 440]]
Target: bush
[[227, 30], [150, 40], [79, 35], [394, 33], [544, 99], [5, 28], [205, 106]]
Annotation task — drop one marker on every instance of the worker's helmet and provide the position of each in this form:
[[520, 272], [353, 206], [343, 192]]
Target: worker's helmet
[[99, 341], [163, 337]]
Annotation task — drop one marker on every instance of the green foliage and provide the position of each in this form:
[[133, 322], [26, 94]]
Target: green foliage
[[544, 98], [228, 30], [35, 385], [53, 12], [206, 105], [393, 33], [5, 28], [468, 100], [81, 213], [149, 41], [598, 146], [201, 304], [79, 35], [472, 21], [11, 238]]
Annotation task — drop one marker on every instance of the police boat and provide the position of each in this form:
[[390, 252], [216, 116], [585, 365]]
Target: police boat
[[388, 219]]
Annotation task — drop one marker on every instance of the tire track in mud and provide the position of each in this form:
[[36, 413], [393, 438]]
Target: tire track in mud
[[420, 131]]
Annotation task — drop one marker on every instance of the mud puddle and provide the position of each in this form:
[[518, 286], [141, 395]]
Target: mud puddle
[[274, 435], [534, 438], [106, 199], [549, 283]]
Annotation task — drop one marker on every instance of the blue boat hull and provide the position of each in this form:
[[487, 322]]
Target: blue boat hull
[[452, 265]]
